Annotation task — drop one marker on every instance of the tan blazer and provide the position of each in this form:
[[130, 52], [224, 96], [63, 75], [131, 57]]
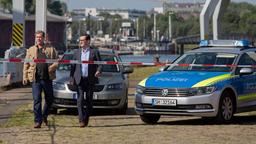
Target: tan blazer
[[29, 69]]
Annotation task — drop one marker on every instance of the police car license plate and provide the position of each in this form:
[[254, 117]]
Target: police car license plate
[[167, 102]]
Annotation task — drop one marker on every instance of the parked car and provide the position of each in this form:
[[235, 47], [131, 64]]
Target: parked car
[[110, 93], [213, 81]]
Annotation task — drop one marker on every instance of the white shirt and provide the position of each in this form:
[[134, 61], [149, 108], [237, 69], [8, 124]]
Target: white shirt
[[85, 57]]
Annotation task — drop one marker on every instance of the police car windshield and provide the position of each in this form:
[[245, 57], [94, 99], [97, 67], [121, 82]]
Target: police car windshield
[[205, 61]]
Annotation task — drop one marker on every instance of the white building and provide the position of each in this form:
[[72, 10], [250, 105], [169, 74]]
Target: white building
[[159, 10], [124, 13]]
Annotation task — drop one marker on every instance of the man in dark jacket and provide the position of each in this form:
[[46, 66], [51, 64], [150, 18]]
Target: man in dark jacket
[[84, 76]]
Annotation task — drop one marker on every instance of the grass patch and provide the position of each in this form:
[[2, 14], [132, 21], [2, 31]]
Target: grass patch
[[140, 73], [22, 116], [190, 47]]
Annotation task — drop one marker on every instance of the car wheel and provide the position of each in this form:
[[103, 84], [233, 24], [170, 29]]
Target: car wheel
[[226, 108], [150, 118], [122, 111], [53, 111]]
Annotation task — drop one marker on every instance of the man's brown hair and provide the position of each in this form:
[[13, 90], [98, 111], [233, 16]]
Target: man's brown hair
[[40, 32]]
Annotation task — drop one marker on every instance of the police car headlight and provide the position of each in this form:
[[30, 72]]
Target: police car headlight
[[140, 89], [202, 90], [58, 86], [117, 86]]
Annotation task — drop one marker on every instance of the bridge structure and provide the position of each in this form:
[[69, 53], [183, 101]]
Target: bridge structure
[[195, 40], [212, 9]]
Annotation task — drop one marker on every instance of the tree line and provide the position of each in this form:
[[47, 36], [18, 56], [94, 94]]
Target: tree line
[[55, 7], [239, 18]]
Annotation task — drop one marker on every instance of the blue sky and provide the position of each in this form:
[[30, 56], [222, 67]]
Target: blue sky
[[129, 4]]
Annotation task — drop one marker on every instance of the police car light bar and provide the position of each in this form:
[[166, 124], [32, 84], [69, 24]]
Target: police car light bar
[[225, 43]]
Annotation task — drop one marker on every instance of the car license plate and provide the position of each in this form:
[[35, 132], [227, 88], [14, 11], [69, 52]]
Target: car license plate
[[167, 102], [75, 96]]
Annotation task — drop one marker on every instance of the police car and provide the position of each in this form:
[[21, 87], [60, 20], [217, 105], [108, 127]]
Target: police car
[[216, 80]]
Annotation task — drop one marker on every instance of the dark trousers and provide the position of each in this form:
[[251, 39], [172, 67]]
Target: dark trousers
[[84, 87], [37, 88]]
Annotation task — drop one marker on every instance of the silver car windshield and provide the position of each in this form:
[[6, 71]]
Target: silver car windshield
[[105, 68], [109, 68], [204, 61]]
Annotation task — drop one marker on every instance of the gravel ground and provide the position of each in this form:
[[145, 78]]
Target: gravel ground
[[129, 129], [126, 129]]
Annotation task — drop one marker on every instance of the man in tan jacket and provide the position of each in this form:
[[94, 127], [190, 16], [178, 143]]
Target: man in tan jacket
[[41, 76]]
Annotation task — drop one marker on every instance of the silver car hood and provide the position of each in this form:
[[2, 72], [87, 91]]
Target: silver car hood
[[105, 78]]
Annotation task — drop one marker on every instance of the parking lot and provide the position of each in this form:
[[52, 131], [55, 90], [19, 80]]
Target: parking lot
[[107, 127]]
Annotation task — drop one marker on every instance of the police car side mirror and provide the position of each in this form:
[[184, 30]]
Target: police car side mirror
[[246, 71], [163, 68]]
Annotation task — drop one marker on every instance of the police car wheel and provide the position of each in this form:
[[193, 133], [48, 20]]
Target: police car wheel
[[226, 108], [150, 118]]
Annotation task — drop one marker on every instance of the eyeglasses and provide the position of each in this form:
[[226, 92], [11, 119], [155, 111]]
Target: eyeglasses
[[82, 40]]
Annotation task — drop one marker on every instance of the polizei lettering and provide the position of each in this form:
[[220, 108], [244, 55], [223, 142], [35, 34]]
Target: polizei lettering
[[172, 79]]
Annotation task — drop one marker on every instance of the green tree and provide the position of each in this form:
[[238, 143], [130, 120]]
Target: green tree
[[239, 18], [30, 6], [55, 7], [111, 24], [6, 4]]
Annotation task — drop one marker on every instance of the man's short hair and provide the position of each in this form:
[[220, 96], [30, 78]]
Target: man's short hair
[[40, 32], [87, 37]]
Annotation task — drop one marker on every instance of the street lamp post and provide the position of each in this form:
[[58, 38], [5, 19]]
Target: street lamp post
[[144, 28], [154, 26], [137, 27], [79, 28], [170, 25], [157, 35]]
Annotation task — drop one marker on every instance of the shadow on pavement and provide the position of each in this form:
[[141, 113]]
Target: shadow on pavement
[[119, 125], [97, 112], [238, 120]]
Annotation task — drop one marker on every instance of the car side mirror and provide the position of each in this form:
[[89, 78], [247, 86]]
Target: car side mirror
[[161, 69], [246, 71], [164, 68], [128, 69]]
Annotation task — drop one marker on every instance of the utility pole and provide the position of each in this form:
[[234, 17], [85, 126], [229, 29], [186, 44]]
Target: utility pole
[[137, 31], [170, 25], [144, 31], [89, 23], [154, 31]]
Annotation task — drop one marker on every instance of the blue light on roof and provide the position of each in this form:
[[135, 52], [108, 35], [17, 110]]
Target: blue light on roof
[[225, 43], [203, 43], [242, 43]]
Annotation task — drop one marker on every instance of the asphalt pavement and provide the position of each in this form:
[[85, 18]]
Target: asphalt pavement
[[11, 99]]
